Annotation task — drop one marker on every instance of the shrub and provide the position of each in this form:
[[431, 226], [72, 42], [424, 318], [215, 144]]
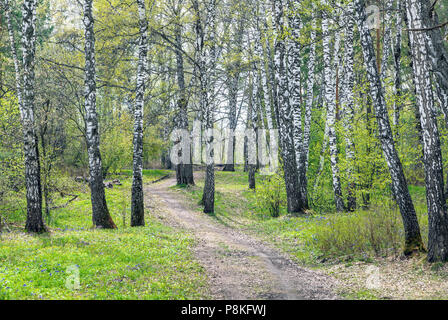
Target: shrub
[[271, 194], [377, 232]]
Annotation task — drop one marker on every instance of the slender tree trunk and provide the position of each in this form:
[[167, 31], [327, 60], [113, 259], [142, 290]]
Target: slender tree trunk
[[397, 67], [439, 59], [294, 196], [137, 203], [46, 163], [206, 81], [330, 101], [309, 97], [184, 171], [347, 102], [263, 67], [100, 213], [295, 100], [435, 196], [25, 94], [387, 40], [270, 70], [413, 240], [251, 126]]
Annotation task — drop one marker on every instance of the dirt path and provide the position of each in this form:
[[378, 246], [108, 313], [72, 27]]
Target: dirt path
[[238, 266]]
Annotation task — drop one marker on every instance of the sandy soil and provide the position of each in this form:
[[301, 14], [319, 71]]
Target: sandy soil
[[238, 266]]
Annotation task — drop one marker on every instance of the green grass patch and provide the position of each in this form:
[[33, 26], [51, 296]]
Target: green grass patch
[[151, 262]]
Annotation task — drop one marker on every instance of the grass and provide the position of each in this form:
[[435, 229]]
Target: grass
[[151, 262]]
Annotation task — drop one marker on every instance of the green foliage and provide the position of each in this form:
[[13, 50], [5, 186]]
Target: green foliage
[[271, 194], [153, 144], [11, 158], [116, 145], [375, 232]]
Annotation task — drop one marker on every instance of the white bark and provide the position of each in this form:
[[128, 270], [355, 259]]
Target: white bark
[[137, 205], [330, 102], [435, 196], [100, 212]]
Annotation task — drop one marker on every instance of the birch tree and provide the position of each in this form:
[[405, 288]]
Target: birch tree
[[397, 63], [309, 94], [100, 213], [432, 155], [294, 76], [25, 80], [413, 240], [206, 60], [294, 196], [347, 103], [439, 61], [330, 102], [137, 204], [251, 128], [263, 65]]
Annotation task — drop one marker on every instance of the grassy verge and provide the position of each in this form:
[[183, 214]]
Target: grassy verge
[[152, 262]]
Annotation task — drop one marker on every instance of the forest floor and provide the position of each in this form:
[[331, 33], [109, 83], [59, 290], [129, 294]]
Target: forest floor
[[237, 265]]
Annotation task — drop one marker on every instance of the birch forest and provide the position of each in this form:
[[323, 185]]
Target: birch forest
[[150, 149]]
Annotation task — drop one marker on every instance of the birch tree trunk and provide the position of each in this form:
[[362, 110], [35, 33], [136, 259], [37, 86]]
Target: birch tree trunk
[[347, 102], [309, 95], [100, 213], [184, 171], [25, 93], [413, 241], [137, 203], [207, 60], [432, 158], [252, 127], [439, 60], [294, 196], [330, 101], [387, 40], [263, 67], [270, 70], [294, 77], [397, 66]]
